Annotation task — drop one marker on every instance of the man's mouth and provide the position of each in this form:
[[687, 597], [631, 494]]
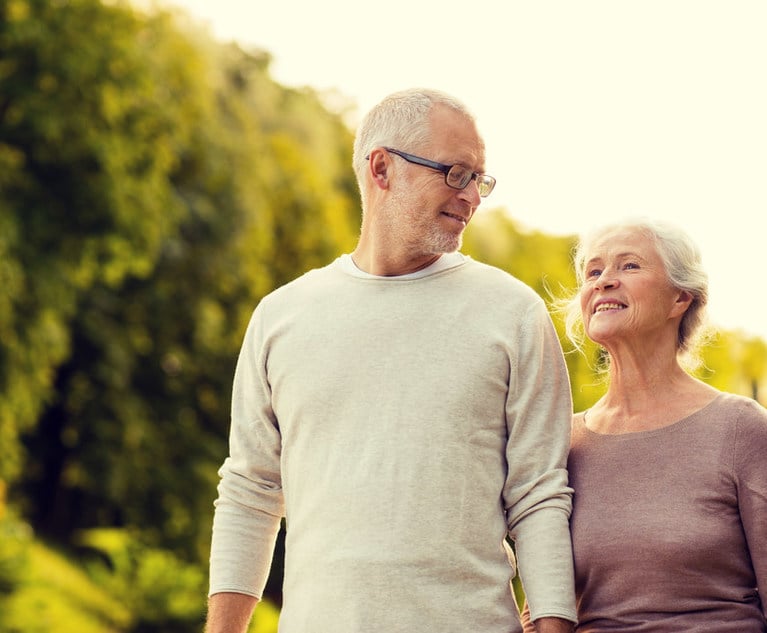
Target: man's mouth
[[457, 218]]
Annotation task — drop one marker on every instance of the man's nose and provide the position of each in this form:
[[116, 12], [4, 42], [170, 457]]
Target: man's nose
[[471, 193]]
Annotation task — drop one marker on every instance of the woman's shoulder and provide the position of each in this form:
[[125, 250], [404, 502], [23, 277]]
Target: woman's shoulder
[[744, 422], [748, 452], [742, 409]]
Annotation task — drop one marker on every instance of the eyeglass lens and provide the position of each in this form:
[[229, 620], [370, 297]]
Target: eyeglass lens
[[459, 177]]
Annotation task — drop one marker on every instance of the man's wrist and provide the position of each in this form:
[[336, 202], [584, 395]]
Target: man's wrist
[[554, 625]]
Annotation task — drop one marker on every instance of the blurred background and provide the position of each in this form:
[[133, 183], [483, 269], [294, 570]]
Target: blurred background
[[592, 110], [156, 180]]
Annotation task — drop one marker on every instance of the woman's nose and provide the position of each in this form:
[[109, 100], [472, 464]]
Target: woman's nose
[[607, 280]]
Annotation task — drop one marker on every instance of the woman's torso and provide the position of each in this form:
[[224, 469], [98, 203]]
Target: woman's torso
[[658, 539]]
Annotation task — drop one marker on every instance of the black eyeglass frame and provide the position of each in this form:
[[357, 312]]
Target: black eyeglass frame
[[487, 180]]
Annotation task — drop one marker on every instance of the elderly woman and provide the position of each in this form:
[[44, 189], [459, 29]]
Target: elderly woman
[[670, 475]]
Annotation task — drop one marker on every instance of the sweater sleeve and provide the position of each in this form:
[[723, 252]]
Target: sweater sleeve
[[250, 504], [750, 464], [537, 496]]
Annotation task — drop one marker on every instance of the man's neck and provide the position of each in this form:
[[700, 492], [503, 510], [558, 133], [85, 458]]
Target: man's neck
[[384, 265]]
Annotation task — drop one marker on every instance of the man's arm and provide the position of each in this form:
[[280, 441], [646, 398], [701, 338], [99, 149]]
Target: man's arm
[[250, 504], [537, 497], [230, 612], [554, 625]]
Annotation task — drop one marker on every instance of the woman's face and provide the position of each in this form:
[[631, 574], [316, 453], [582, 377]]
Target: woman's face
[[626, 293]]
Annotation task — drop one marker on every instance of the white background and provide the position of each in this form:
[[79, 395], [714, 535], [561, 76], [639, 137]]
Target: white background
[[592, 110]]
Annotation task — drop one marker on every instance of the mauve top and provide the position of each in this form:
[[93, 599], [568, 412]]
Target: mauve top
[[670, 526]]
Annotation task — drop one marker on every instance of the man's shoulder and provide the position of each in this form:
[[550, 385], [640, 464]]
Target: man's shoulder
[[500, 280], [303, 287]]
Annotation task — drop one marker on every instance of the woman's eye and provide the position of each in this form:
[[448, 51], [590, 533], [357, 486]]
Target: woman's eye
[[593, 272], [631, 265]]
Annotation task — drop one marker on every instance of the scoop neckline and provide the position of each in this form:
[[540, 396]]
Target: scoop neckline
[[663, 429]]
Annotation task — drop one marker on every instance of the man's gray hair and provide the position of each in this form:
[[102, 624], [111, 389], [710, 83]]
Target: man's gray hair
[[400, 120]]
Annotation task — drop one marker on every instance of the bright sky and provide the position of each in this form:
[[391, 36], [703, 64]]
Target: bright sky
[[592, 110]]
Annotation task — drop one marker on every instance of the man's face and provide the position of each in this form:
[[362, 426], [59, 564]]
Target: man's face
[[424, 212]]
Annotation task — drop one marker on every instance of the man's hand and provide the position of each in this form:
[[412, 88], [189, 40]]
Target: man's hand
[[229, 612], [554, 625]]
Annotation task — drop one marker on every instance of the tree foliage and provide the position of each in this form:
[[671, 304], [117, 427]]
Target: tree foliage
[[192, 184], [89, 130]]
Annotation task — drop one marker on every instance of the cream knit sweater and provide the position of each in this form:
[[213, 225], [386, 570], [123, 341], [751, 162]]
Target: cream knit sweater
[[403, 426]]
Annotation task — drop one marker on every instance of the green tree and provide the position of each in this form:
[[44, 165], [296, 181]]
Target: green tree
[[156, 188], [88, 136], [257, 190], [736, 362]]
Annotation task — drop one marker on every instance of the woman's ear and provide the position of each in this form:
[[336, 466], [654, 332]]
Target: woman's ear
[[683, 301]]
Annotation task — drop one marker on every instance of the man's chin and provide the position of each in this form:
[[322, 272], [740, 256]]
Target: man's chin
[[450, 245]]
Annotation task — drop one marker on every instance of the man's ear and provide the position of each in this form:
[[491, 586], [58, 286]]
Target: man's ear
[[378, 167]]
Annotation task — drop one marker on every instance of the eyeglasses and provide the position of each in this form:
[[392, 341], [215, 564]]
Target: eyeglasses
[[456, 176]]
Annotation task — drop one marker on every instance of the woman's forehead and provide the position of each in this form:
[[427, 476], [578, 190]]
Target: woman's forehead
[[619, 240]]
